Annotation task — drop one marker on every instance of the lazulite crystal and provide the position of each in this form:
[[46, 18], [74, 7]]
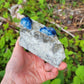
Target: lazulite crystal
[[26, 22], [48, 31]]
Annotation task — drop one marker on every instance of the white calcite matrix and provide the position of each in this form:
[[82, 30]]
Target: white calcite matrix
[[48, 48]]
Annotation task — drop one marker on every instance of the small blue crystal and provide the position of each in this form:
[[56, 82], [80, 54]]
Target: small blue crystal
[[48, 31], [26, 22], [53, 30]]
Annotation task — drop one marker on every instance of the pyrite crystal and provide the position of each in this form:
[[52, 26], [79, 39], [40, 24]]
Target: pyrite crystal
[[41, 41]]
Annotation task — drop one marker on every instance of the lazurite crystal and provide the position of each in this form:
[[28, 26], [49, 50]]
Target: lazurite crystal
[[48, 31], [26, 22]]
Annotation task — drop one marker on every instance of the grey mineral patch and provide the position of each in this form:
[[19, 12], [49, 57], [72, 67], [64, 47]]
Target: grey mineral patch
[[48, 48]]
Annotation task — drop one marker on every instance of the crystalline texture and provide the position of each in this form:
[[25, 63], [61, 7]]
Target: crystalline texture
[[48, 31], [26, 22], [45, 45]]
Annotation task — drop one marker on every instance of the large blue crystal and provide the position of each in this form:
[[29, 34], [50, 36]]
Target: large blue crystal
[[26, 22], [48, 31]]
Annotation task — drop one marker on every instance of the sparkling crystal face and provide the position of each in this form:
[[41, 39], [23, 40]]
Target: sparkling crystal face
[[48, 31], [26, 22]]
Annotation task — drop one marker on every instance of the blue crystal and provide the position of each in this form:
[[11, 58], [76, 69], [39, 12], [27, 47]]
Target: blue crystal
[[26, 22], [53, 30], [48, 31]]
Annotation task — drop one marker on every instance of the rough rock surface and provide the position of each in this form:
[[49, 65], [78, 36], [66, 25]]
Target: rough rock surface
[[46, 47]]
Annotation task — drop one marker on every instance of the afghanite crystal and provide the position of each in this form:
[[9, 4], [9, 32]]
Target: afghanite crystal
[[41, 41], [48, 31], [26, 22]]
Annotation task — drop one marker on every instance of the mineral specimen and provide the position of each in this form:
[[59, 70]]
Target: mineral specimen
[[42, 41]]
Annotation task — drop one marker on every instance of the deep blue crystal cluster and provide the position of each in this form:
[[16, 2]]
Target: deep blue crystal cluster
[[48, 31], [26, 22]]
